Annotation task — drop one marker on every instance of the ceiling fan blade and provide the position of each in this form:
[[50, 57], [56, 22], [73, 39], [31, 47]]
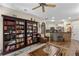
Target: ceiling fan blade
[[50, 5], [35, 8], [43, 8]]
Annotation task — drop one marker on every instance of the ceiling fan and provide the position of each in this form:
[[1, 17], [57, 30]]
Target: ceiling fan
[[43, 5]]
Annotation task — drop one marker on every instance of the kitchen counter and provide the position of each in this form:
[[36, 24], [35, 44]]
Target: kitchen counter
[[66, 36]]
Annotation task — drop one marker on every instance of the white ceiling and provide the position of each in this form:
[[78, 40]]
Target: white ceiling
[[61, 11]]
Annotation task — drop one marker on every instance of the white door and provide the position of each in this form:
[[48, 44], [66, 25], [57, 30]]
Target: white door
[[75, 30]]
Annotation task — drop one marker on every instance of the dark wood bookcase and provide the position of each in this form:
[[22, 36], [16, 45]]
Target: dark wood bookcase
[[35, 31], [31, 32], [18, 33]]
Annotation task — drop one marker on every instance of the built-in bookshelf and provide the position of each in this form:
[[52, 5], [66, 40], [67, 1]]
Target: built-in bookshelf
[[18, 33], [9, 35], [31, 32], [35, 30]]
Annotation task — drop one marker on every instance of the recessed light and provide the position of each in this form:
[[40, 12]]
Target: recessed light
[[63, 20], [52, 20], [53, 17], [69, 17]]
